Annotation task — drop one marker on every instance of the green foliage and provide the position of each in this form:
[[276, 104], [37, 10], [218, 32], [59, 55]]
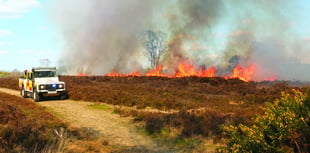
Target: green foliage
[[4, 74], [284, 127], [100, 106]]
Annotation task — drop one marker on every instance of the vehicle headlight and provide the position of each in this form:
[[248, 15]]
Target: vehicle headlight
[[61, 86], [41, 87]]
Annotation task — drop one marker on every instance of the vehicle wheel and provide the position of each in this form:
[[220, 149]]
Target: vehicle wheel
[[23, 93], [36, 97]]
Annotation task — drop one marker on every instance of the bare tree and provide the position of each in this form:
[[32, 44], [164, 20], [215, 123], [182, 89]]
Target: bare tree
[[155, 46]]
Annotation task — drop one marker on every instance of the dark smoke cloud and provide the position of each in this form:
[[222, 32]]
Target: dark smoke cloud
[[102, 35]]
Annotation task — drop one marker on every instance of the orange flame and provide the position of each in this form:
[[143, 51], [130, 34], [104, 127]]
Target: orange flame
[[114, 74], [156, 72], [272, 78], [133, 74], [244, 74], [206, 73], [188, 70], [81, 74], [185, 70]]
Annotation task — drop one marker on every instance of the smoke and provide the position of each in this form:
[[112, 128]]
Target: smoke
[[102, 35]]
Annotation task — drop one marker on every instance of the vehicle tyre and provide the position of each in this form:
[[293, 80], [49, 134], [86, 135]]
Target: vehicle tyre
[[36, 96], [23, 93]]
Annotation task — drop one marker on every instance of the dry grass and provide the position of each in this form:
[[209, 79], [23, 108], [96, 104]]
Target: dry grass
[[169, 93], [198, 106], [9, 82], [27, 127]]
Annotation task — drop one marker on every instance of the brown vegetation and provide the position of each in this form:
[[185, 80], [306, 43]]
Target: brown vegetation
[[169, 93], [27, 127], [197, 106], [202, 104], [9, 82]]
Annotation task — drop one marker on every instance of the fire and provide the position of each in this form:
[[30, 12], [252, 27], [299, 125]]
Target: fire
[[272, 78], [188, 70], [244, 74], [81, 74], [206, 73], [134, 74], [114, 74], [156, 72], [185, 70]]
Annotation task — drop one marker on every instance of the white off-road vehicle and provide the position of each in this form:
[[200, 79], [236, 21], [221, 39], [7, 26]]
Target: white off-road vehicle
[[40, 82]]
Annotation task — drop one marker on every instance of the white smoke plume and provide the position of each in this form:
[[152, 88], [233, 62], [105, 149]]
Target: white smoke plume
[[102, 35]]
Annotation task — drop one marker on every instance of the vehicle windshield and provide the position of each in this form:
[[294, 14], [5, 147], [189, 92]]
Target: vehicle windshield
[[42, 74]]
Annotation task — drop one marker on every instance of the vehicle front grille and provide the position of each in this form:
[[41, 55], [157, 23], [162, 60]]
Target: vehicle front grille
[[50, 87]]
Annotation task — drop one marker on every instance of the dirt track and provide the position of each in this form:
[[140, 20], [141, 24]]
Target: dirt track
[[116, 130]]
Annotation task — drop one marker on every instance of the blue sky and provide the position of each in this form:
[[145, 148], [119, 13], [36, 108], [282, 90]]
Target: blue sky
[[27, 36]]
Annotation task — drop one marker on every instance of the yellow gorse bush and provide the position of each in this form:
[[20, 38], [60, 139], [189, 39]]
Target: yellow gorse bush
[[284, 127]]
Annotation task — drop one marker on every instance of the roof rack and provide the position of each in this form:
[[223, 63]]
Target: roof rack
[[43, 68]]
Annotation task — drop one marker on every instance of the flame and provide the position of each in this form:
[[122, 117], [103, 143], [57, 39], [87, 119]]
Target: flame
[[206, 73], [114, 74], [185, 69], [188, 70], [156, 72], [133, 74], [81, 74], [272, 78], [242, 73]]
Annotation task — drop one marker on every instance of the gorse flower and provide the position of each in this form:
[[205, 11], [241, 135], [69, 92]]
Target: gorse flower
[[284, 127]]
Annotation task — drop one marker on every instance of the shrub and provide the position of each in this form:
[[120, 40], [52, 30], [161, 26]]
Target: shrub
[[284, 127], [25, 127]]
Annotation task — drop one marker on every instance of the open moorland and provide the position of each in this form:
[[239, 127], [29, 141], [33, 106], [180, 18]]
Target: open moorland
[[180, 112], [27, 127], [192, 106]]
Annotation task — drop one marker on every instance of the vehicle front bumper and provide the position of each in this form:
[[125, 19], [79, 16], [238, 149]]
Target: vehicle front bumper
[[52, 93]]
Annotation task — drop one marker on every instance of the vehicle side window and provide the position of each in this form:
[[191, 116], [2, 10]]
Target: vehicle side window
[[52, 74], [41, 74]]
